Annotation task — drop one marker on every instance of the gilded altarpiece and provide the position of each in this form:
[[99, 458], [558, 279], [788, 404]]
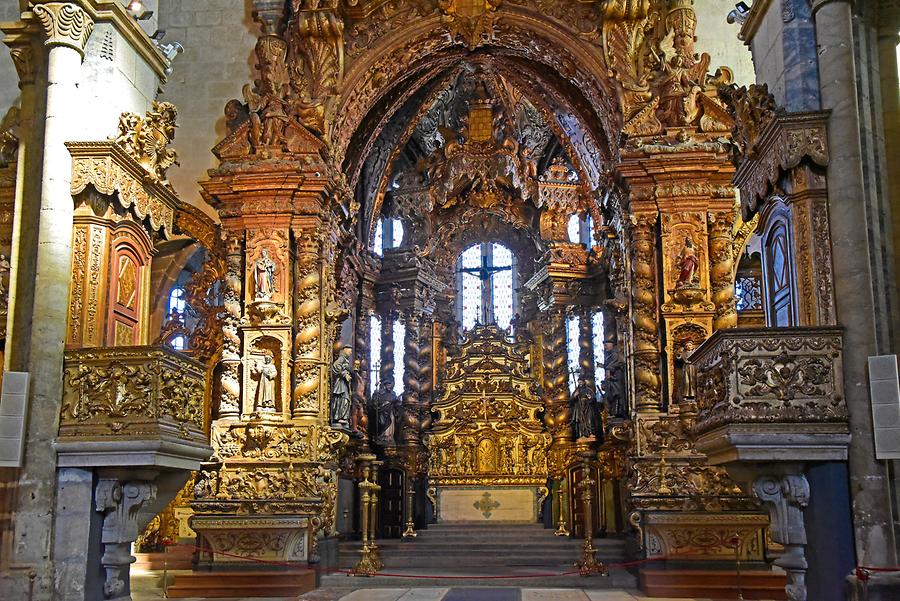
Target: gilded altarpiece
[[488, 446]]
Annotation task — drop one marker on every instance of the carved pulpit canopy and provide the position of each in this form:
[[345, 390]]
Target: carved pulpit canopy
[[131, 169]]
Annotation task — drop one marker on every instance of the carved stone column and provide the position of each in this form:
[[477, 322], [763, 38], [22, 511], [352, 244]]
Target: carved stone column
[[785, 497]]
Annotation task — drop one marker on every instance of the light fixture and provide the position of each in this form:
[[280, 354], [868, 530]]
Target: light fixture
[[135, 6], [739, 14]]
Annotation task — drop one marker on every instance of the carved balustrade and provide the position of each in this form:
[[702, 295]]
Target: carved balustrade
[[133, 395], [760, 390]]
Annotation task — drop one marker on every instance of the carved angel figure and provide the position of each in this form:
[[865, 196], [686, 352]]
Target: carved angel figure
[[147, 138]]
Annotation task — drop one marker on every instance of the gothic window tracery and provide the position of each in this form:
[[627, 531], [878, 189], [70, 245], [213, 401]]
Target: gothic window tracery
[[486, 285], [177, 305], [572, 350], [597, 337]]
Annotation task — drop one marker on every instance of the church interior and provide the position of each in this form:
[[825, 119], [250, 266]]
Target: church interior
[[477, 300]]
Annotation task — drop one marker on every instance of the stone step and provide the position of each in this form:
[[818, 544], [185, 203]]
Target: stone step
[[521, 577], [241, 584]]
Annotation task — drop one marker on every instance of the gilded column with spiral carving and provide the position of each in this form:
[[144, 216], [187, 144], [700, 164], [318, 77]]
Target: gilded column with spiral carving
[[426, 371], [362, 367], [586, 348], [308, 337], [558, 414], [409, 428], [230, 402], [644, 313], [386, 371], [721, 271]]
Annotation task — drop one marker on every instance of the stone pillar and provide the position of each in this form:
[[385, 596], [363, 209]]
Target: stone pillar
[[890, 106], [26, 215], [67, 28], [853, 279]]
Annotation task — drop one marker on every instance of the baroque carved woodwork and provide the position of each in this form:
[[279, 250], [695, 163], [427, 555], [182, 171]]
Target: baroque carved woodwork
[[487, 431]]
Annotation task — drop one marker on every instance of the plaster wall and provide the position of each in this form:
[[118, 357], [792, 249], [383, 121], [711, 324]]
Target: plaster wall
[[716, 37]]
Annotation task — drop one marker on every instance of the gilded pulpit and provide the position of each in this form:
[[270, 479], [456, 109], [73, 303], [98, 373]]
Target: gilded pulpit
[[488, 447]]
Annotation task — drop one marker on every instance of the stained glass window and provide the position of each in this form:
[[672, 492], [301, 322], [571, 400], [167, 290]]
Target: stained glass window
[[374, 351], [573, 350], [597, 340], [502, 287], [748, 290], [487, 283], [399, 339]]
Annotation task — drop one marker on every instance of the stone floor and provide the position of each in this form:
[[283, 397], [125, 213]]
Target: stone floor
[[146, 587]]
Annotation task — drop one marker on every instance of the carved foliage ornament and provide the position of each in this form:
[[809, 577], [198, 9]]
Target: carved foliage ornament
[[146, 139]]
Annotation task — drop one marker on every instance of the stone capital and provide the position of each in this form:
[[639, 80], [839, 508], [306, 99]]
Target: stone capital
[[65, 24]]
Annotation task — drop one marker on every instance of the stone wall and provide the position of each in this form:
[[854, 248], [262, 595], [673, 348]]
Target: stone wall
[[218, 37]]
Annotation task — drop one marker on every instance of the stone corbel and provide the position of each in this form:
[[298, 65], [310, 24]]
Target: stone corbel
[[122, 500], [785, 497]]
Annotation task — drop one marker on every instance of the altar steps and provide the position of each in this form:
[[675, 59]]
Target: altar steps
[[482, 552]]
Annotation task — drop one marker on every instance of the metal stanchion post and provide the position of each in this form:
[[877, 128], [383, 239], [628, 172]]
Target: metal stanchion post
[[410, 531], [588, 563], [561, 523], [368, 562]]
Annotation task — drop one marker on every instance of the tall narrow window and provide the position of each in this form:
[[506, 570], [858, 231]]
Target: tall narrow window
[[470, 287], [502, 287], [572, 325], [779, 277], [177, 305], [486, 285], [597, 335], [399, 341], [388, 234], [374, 351], [581, 230]]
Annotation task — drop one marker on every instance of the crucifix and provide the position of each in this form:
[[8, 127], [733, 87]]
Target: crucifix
[[484, 406], [485, 274]]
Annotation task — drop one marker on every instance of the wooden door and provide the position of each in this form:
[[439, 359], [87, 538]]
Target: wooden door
[[390, 518]]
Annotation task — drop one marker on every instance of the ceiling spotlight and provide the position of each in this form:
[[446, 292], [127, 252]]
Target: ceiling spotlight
[[135, 6]]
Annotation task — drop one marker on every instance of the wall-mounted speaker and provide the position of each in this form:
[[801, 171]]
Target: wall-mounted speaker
[[884, 388]]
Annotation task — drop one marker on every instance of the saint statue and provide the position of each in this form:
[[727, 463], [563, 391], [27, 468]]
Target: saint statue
[[264, 277], [615, 395], [266, 372], [584, 413], [385, 401], [687, 383], [341, 376], [689, 265]]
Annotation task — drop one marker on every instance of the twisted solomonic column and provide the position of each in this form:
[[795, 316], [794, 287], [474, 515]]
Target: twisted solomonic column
[[644, 314], [409, 428], [309, 326], [721, 272]]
